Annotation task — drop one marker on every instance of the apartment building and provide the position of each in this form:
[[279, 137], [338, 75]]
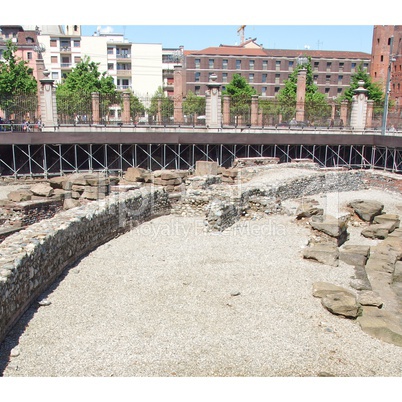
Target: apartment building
[[267, 69], [384, 57]]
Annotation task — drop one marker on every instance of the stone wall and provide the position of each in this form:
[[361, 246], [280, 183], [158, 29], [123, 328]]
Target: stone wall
[[33, 258]]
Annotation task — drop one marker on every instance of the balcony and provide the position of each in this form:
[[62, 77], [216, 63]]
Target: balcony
[[123, 87], [66, 66], [65, 49], [123, 73], [123, 56]]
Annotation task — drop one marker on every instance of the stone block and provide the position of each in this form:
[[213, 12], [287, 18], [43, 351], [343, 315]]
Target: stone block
[[366, 209], [135, 174], [42, 190], [324, 253], [58, 182], [354, 254], [206, 168], [19, 195]]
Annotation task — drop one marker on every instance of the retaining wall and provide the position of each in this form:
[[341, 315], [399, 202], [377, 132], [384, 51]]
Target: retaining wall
[[33, 258]]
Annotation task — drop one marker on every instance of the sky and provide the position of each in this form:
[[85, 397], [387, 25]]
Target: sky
[[197, 37]]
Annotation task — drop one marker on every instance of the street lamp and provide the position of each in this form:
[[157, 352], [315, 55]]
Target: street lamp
[[387, 89]]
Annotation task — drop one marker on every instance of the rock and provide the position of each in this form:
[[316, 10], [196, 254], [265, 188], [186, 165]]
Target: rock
[[19, 195], [384, 218], [379, 231], [135, 174], [44, 302], [333, 227], [370, 298], [360, 281], [325, 253], [58, 182], [354, 254], [366, 209], [322, 289], [342, 303], [397, 274], [15, 352], [42, 189], [71, 203], [308, 209], [205, 168]]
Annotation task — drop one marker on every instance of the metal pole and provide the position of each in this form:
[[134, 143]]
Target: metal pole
[[387, 89]]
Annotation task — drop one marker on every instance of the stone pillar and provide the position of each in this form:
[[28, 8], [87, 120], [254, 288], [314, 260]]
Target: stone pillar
[[226, 110], [95, 108], [48, 104], [344, 113], [301, 94], [125, 116], [159, 114], [178, 94], [369, 117], [359, 108], [254, 110], [213, 104]]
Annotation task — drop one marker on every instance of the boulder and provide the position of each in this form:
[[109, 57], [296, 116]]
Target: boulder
[[206, 168], [308, 209], [366, 209], [135, 174], [321, 289], [19, 195], [342, 303], [333, 227], [325, 253], [58, 182], [354, 254], [379, 231], [42, 190]]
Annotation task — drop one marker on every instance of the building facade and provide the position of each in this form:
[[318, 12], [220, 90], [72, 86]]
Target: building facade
[[383, 58], [267, 69]]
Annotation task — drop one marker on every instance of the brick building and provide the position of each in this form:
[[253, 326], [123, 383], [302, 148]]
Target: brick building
[[267, 69], [380, 59]]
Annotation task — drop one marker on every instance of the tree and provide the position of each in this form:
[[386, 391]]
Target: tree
[[166, 106], [374, 93], [18, 87], [193, 105], [316, 105], [74, 93], [137, 109], [240, 92]]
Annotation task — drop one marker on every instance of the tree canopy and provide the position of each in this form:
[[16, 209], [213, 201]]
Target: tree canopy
[[374, 93]]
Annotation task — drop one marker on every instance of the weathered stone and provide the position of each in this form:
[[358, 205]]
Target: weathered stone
[[78, 179], [328, 224], [135, 174], [57, 182], [80, 188], [308, 209], [205, 168], [324, 253], [169, 175], [342, 303], [19, 195], [397, 274], [366, 209], [370, 298], [71, 203], [321, 289], [97, 180], [384, 218], [379, 231], [354, 254]]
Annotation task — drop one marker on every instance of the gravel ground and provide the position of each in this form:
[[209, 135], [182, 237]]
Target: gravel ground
[[168, 299]]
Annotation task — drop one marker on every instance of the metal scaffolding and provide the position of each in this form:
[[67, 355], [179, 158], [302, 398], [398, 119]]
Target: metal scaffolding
[[59, 159]]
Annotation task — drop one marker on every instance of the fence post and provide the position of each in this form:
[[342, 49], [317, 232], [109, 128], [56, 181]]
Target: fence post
[[344, 112], [213, 103], [126, 108], [254, 110], [48, 103], [178, 94], [95, 107], [301, 94], [226, 110], [359, 108], [369, 117]]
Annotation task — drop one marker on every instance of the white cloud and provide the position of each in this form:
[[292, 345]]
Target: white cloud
[[105, 30]]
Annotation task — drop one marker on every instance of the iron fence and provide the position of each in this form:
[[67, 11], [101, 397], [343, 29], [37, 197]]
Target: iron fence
[[18, 111]]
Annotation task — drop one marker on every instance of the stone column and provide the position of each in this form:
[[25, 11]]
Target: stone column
[[48, 103], [213, 104], [178, 94], [159, 115], [226, 110], [254, 110], [359, 108], [301, 94], [369, 117], [95, 108], [125, 116], [344, 113]]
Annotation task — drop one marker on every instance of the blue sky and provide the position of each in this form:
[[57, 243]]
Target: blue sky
[[196, 37]]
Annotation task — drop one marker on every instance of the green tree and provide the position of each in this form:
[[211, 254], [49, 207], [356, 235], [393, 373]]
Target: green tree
[[240, 92], [193, 106], [316, 105], [74, 93], [137, 109], [18, 87], [374, 93], [166, 106]]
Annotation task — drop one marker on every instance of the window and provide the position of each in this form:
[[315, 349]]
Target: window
[[197, 90], [55, 75], [327, 91], [77, 59], [251, 77], [278, 65], [264, 91], [110, 66], [327, 79], [197, 63], [29, 40], [265, 64], [53, 59], [382, 58], [109, 50], [329, 64], [29, 55], [339, 91], [316, 65], [276, 90], [341, 65], [225, 64], [340, 78], [277, 78], [224, 77], [251, 64], [264, 78], [53, 43], [291, 63], [365, 66], [211, 63], [197, 77], [315, 79], [77, 43], [238, 64]]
